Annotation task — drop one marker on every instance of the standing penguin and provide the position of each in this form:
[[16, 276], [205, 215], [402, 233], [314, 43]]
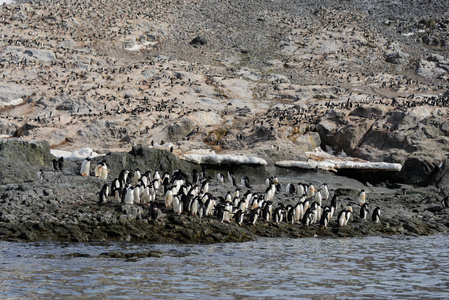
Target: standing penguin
[[177, 205], [101, 170], [290, 189], [325, 217], [85, 167], [364, 210], [254, 215], [154, 212], [324, 191], [220, 178], [376, 215], [239, 217], [245, 182], [232, 178], [362, 197], [104, 193]]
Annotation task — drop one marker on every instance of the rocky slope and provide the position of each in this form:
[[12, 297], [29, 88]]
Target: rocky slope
[[271, 79]]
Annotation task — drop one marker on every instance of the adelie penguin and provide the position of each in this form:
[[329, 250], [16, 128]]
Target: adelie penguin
[[376, 215], [364, 210], [104, 193], [154, 212], [445, 202], [85, 167]]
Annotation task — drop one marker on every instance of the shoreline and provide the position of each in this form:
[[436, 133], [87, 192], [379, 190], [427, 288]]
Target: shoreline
[[64, 207]]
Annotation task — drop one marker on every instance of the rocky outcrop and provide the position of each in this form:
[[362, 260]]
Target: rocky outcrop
[[20, 161]]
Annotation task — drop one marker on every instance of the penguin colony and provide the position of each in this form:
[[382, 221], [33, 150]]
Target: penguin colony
[[180, 193]]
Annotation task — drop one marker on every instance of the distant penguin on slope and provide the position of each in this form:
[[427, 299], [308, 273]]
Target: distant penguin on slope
[[104, 193], [85, 167]]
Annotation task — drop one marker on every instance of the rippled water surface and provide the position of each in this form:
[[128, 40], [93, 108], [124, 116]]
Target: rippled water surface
[[355, 268]]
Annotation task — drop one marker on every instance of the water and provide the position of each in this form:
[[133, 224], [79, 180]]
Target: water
[[353, 268]]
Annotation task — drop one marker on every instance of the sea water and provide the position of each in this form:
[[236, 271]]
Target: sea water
[[344, 268]]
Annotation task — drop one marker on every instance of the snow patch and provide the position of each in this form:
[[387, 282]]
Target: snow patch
[[318, 159], [76, 155], [215, 159], [139, 47]]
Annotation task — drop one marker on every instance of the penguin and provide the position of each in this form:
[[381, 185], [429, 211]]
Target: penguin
[[40, 175], [220, 178], [364, 210], [135, 176], [123, 178], [278, 214], [55, 165], [245, 182], [195, 176], [254, 215], [136, 194], [85, 167], [290, 189], [308, 217], [194, 205], [61, 163], [325, 217], [310, 191], [298, 212], [341, 219], [362, 197], [128, 197], [104, 193], [324, 191], [221, 213], [210, 205], [301, 190], [177, 205], [239, 217], [376, 215], [231, 178], [154, 212], [101, 170], [334, 203], [168, 198]]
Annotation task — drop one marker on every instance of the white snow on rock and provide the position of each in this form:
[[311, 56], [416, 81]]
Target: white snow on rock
[[76, 155], [215, 159], [319, 159]]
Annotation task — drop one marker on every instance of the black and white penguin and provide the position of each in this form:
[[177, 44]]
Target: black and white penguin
[[245, 182], [55, 165], [123, 178], [154, 212], [334, 203], [177, 205], [324, 191], [195, 177], [232, 178], [135, 177], [362, 197], [221, 212], [85, 167], [104, 193], [101, 170], [254, 215], [290, 189], [220, 178], [239, 217], [376, 215], [308, 216], [325, 217], [278, 214], [40, 174], [364, 210]]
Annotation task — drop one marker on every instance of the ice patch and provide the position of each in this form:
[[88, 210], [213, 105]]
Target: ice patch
[[76, 155], [214, 159]]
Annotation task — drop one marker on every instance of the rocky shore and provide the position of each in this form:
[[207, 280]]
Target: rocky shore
[[150, 84], [63, 205]]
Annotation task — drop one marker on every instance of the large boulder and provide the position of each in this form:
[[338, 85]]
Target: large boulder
[[20, 161]]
